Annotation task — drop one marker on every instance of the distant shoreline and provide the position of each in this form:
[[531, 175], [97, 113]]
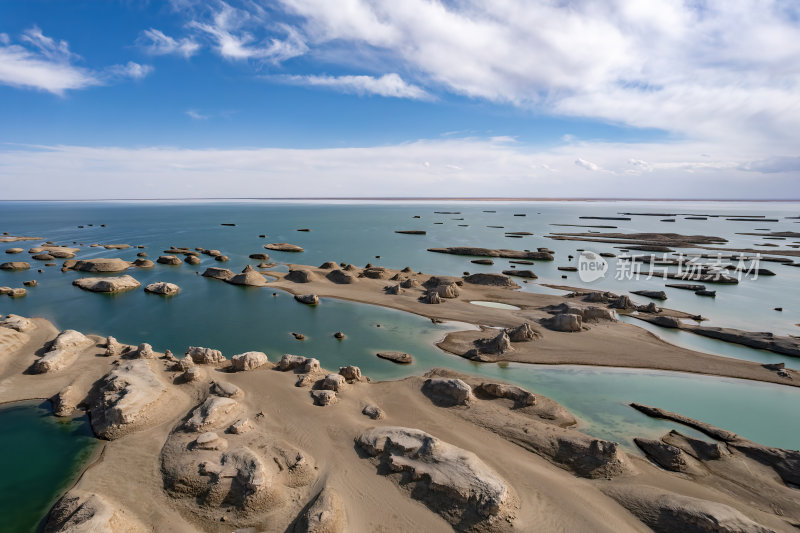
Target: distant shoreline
[[415, 199]]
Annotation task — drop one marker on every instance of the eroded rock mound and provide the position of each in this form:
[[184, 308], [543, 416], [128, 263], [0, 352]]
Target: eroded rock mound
[[219, 463], [126, 399], [213, 412], [283, 247], [205, 356], [162, 287], [448, 391], [667, 512], [400, 358], [308, 299], [85, 512], [249, 276], [298, 362], [498, 280], [326, 514], [218, 273], [563, 322], [451, 481], [248, 361], [62, 352], [116, 284], [99, 264], [520, 396], [341, 277], [17, 322], [300, 276], [522, 333], [15, 265]]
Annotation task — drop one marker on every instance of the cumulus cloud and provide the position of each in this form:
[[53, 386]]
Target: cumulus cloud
[[46, 64], [389, 85], [715, 69], [157, 42]]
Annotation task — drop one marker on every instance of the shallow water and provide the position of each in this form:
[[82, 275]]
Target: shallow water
[[236, 319], [495, 305], [40, 456]]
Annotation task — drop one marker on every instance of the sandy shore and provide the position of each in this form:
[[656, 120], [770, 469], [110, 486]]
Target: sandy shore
[[600, 343], [495, 458]]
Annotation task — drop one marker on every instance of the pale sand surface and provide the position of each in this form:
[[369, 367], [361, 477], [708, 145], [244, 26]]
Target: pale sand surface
[[614, 344], [549, 495]]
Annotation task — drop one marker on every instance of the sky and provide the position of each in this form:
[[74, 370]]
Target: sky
[[386, 98]]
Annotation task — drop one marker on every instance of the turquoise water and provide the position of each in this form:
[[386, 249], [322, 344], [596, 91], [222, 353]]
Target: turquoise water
[[40, 456], [235, 319]]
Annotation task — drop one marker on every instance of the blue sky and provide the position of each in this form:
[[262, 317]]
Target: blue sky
[[374, 98]]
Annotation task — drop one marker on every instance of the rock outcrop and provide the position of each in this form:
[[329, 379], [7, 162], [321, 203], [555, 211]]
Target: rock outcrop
[[169, 260], [448, 391], [15, 265], [213, 412], [249, 276], [283, 247], [218, 273], [489, 252], [451, 481], [85, 512], [107, 284], [497, 280], [298, 362], [205, 356], [400, 358], [518, 395], [667, 512], [341, 277], [326, 514], [300, 276], [522, 333], [163, 288], [655, 295], [323, 397], [564, 322], [62, 352], [520, 273], [17, 322], [100, 264], [126, 399], [248, 361], [308, 299], [351, 373]]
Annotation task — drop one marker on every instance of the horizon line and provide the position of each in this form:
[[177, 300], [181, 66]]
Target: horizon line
[[414, 199]]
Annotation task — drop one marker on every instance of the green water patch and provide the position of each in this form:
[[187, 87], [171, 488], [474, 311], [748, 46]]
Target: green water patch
[[40, 457]]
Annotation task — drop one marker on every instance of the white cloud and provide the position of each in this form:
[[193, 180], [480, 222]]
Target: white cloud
[[49, 65], [716, 69], [588, 165], [131, 70], [195, 115], [389, 85], [157, 43], [229, 29], [444, 167]]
